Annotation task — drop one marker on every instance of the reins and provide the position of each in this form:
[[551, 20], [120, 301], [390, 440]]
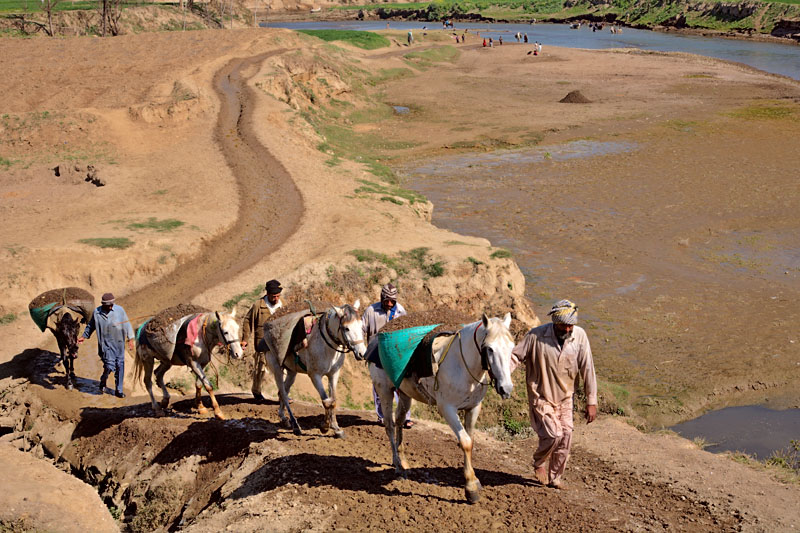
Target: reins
[[463, 359], [346, 345]]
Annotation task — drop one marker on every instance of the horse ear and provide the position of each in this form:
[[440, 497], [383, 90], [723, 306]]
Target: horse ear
[[357, 304], [233, 312], [218, 318], [339, 311], [485, 320], [507, 320]]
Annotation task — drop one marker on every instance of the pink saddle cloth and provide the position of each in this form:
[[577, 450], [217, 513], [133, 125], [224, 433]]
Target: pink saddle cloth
[[193, 330]]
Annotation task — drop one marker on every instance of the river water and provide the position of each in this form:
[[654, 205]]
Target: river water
[[777, 58]]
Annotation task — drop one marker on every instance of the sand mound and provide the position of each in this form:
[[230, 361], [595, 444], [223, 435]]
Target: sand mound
[[575, 97], [157, 324], [451, 319], [61, 296]]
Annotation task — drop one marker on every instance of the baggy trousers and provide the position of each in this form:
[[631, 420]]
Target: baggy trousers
[[553, 424], [114, 363]]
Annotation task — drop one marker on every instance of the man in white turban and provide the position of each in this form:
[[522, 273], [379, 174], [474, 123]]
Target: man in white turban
[[554, 354]]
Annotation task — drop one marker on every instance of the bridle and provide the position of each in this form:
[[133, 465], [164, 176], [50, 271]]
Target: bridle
[[339, 341], [222, 338]]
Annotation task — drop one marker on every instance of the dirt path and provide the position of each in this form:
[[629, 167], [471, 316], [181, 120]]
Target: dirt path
[[270, 205]]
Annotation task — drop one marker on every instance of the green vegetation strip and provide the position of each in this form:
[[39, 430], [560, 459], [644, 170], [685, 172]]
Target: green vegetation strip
[[362, 39], [119, 243]]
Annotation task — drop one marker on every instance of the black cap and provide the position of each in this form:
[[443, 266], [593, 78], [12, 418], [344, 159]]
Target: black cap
[[273, 286]]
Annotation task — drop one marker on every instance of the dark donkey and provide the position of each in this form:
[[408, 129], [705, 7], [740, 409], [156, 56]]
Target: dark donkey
[[65, 323]]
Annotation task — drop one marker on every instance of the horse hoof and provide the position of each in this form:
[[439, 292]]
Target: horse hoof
[[259, 398], [297, 431], [70, 386], [339, 434], [159, 413], [473, 496], [286, 424], [220, 416], [324, 429], [164, 404]]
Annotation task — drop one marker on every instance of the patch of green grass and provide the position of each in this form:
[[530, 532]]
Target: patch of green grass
[[374, 114], [392, 199], [501, 253], [788, 458], [682, 125], [513, 426], [7, 318], [181, 93], [389, 74], [160, 192], [700, 76], [405, 261], [370, 187], [119, 243], [458, 243], [5, 163], [474, 261], [161, 226], [362, 39], [250, 296], [426, 58], [765, 112]]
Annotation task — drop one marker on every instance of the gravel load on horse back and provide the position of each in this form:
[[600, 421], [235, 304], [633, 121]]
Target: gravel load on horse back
[[157, 326], [451, 320], [294, 307], [79, 299], [575, 97]]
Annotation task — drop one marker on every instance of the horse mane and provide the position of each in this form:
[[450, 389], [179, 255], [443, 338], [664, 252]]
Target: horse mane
[[496, 329], [349, 313]]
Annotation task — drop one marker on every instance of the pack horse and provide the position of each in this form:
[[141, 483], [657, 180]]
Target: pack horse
[[477, 355]]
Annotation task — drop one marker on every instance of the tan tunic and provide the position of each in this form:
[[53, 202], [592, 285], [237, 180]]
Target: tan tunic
[[551, 370], [375, 317], [255, 319]]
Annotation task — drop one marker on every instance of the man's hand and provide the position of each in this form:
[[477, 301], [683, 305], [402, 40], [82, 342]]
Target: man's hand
[[81, 339], [130, 345], [591, 413]]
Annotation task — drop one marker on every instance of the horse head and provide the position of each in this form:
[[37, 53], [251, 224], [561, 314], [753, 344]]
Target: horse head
[[67, 328], [229, 333], [496, 353], [350, 328]]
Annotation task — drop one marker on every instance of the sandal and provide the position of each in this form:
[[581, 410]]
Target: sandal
[[408, 424]]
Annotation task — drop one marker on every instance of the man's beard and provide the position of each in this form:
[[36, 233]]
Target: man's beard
[[562, 336]]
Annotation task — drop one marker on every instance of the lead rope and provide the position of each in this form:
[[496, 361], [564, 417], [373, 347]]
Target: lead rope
[[478, 381]]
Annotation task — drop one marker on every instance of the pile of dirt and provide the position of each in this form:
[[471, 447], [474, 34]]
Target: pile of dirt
[[450, 320], [575, 97], [61, 296], [293, 307], [159, 323]]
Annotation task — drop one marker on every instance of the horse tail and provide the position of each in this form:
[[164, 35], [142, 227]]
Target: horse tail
[[138, 359]]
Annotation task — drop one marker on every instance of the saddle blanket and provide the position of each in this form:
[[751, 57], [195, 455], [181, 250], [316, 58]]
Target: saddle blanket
[[192, 330]]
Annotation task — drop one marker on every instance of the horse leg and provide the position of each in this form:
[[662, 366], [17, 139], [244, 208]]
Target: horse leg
[[384, 388], [202, 379], [288, 380], [198, 397], [473, 486], [403, 407], [147, 364], [333, 380], [62, 350], [277, 372], [327, 402], [163, 366]]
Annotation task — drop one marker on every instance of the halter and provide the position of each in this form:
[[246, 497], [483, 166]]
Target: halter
[[342, 341], [484, 360], [222, 340]]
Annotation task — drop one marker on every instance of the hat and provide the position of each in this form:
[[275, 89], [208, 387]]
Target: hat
[[389, 292], [108, 298], [564, 312], [273, 286]]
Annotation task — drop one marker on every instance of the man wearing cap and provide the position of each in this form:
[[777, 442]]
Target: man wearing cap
[[375, 317], [113, 329], [254, 321], [554, 354]]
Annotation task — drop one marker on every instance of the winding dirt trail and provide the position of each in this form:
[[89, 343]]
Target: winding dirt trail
[[270, 205]]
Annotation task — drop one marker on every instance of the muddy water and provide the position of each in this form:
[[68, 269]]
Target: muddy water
[[752, 429], [688, 281]]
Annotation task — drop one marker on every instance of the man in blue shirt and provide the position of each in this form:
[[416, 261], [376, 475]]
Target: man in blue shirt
[[113, 329]]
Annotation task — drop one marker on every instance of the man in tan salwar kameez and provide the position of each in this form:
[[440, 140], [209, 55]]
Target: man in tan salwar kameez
[[554, 354]]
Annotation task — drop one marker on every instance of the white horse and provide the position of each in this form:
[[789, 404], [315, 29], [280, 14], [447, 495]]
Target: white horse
[[335, 333], [459, 384], [216, 328]]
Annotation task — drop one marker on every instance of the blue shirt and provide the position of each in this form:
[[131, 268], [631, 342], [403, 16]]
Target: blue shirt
[[113, 328]]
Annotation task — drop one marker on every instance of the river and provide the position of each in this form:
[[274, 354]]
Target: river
[[777, 58]]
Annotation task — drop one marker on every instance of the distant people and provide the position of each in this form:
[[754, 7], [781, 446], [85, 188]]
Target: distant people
[[491, 43], [113, 329], [375, 317], [500, 40], [410, 38], [258, 315], [539, 47], [526, 38], [554, 354], [484, 42]]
